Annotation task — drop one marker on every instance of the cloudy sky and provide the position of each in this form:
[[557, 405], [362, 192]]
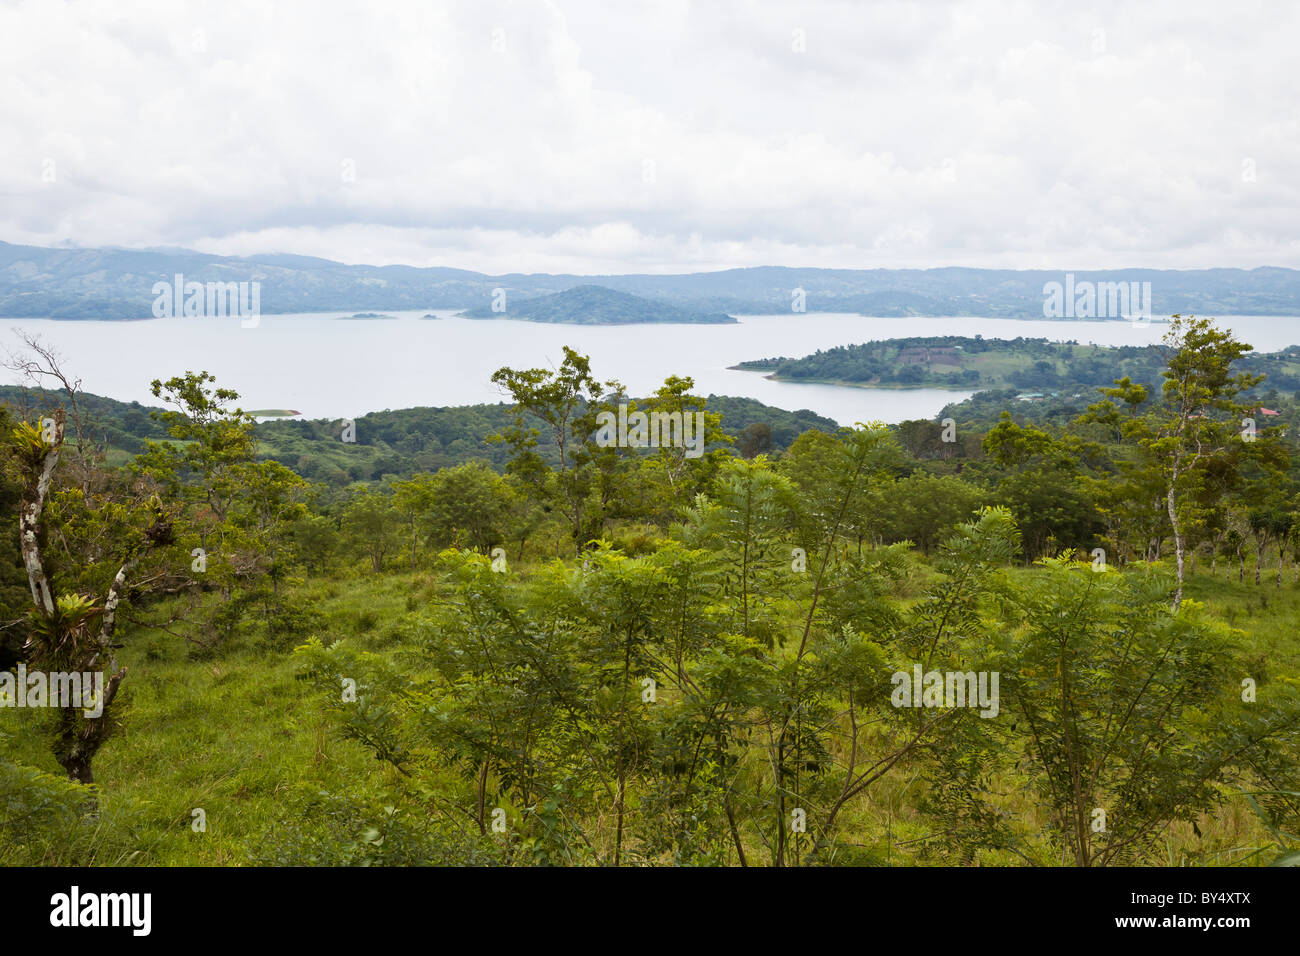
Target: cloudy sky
[[658, 137]]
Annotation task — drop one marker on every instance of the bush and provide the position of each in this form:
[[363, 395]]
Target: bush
[[328, 829], [40, 815]]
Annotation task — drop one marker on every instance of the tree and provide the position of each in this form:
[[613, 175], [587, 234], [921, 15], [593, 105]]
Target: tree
[[568, 402], [72, 632], [370, 525], [755, 439], [233, 516], [413, 500], [262, 517], [1196, 424], [470, 506], [742, 524], [1039, 482], [210, 438], [82, 530], [1130, 723], [1199, 383], [684, 475], [924, 508], [15, 598]]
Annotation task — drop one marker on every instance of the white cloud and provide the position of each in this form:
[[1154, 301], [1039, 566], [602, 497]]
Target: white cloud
[[597, 137]]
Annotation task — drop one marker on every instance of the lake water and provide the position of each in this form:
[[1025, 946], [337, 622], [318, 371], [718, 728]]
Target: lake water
[[327, 367]]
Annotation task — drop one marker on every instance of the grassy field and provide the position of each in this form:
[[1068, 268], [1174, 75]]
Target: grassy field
[[236, 734]]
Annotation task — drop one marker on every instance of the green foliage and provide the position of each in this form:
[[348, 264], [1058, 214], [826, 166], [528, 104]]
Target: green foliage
[[1031, 365], [332, 829], [1121, 716], [40, 815], [673, 659]]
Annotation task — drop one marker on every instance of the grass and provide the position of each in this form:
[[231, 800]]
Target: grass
[[233, 735], [236, 734]]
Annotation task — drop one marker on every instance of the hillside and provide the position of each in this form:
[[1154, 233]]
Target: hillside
[[594, 305], [402, 442], [108, 283]]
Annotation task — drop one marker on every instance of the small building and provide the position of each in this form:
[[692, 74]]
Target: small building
[[922, 355]]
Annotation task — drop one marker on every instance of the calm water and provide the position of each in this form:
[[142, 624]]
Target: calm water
[[327, 367]]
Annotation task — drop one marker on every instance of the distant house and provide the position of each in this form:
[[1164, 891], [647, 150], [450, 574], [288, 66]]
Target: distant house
[[1268, 411], [920, 355], [1030, 397]]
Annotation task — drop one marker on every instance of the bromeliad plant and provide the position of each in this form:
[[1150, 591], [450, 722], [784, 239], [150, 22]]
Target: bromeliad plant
[[76, 632]]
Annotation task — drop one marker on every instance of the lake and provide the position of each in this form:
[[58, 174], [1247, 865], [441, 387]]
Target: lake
[[327, 367]]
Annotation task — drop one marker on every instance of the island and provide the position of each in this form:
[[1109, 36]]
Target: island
[[596, 305], [973, 363]]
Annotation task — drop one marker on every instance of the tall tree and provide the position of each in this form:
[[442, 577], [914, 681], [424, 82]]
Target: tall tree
[[74, 631], [568, 401]]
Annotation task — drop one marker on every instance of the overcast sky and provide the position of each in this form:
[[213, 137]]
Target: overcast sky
[[658, 137]]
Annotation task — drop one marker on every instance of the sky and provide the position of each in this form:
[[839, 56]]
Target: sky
[[670, 136]]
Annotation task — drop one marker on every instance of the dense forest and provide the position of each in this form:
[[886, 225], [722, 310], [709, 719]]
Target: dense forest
[[1020, 634], [396, 443]]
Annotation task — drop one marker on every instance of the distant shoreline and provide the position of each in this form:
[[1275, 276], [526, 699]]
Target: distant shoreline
[[892, 387]]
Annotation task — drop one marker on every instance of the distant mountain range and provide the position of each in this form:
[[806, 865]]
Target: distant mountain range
[[596, 305], [108, 283]]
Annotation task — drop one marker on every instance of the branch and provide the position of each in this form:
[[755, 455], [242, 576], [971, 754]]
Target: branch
[[29, 521]]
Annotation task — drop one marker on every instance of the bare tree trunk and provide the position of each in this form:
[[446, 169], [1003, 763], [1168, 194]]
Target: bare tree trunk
[[29, 521], [1178, 537], [482, 796], [735, 832]]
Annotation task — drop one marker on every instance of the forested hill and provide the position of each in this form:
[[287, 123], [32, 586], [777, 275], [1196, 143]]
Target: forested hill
[[405, 441], [594, 305], [979, 363], [107, 283]]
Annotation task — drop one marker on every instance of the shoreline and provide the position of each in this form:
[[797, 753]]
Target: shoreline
[[845, 384]]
